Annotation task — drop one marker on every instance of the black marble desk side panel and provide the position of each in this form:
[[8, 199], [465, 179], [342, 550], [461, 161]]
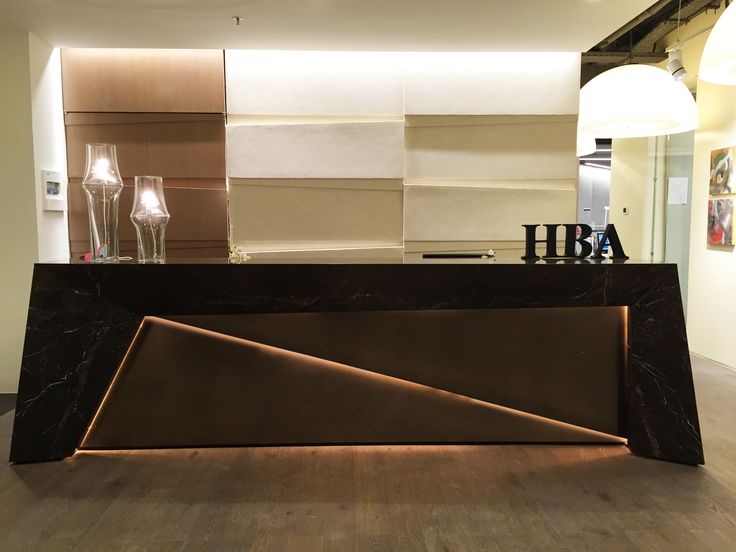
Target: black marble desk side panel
[[82, 318]]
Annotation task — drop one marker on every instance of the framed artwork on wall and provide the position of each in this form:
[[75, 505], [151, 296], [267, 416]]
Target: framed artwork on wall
[[722, 194], [720, 221], [721, 172]]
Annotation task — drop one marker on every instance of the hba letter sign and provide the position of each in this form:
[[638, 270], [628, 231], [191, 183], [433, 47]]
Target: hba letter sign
[[571, 240]]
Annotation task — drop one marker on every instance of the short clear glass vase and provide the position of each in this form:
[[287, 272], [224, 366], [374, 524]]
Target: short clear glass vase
[[102, 185], [150, 217]]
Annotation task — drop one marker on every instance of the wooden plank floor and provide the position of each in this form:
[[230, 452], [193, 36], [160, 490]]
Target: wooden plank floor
[[445, 499]]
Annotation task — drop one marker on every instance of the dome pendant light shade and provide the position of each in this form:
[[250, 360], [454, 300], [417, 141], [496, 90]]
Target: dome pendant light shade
[[635, 101], [718, 64], [586, 144]]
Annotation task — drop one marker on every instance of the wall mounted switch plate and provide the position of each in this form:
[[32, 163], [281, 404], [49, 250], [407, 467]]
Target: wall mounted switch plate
[[54, 191]]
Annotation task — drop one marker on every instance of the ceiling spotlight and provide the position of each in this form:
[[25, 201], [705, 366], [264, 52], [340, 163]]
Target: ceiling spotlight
[[675, 65]]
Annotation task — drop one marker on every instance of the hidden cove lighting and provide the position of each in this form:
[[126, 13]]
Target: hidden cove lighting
[[636, 101], [718, 64]]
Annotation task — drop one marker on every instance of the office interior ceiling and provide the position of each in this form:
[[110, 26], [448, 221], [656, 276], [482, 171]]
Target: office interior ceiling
[[451, 25]]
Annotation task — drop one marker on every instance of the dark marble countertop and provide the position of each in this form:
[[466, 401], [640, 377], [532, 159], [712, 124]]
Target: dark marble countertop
[[287, 259]]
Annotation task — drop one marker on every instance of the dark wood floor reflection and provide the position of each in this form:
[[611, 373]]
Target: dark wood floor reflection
[[468, 498]]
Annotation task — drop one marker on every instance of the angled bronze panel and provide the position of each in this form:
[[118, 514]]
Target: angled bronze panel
[[564, 364], [181, 386]]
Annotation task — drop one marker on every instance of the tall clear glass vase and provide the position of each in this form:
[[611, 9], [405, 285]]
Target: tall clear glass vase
[[102, 185], [150, 217]]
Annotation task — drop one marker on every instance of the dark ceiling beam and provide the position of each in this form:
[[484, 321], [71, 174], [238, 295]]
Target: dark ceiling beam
[[619, 58], [641, 18], [690, 9]]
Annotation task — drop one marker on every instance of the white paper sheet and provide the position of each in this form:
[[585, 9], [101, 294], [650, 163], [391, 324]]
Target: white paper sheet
[[677, 191]]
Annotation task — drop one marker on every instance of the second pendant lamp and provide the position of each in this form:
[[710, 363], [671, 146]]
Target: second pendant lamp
[[636, 101]]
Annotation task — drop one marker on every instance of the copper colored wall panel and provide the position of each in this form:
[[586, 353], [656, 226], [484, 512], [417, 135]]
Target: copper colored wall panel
[[187, 150], [197, 214], [175, 249], [138, 80], [176, 147]]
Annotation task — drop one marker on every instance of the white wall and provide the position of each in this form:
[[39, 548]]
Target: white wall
[[49, 145], [31, 138], [19, 242], [712, 282]]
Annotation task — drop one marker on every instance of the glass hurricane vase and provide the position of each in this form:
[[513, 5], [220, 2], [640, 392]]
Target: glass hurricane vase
[[102, 185], [150, 217]]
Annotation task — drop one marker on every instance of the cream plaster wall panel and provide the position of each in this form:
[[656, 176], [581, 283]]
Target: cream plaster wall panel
[[283, 216], [314, 83], [456, 213], [340, 150], [504, 250], [492, 83], [502, 149], [711, 289], [387, 255]]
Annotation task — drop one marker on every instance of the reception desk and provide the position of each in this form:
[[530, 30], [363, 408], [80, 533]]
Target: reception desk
[[194, 354]]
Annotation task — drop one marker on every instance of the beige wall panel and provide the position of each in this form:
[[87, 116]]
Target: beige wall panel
[[346, 255], [170, 148], [339, 150], [314, 83], [500, 149], [196, 213], [286, 217], [631, 176], [453, 213], [19, 241], [492, 83], [132, 80]]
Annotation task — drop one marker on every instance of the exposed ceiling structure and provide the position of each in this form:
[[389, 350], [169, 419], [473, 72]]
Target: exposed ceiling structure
[[639, 41], [408, 25]]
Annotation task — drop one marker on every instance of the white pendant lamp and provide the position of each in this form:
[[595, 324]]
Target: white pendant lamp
[[718, 64], [635, 101], [586, 144]]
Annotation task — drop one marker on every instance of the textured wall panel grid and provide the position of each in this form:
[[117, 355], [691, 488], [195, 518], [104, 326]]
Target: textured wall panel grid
[[314, 83], [492, 83], [499, 150], [133, 80], [341, 150], [272, 217], [446, 213]]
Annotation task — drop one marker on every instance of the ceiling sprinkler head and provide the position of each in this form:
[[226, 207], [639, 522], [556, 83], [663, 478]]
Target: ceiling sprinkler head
[[675, 65], [237, 19]]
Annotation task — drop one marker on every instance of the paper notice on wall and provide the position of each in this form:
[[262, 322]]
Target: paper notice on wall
[[677, 190]]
